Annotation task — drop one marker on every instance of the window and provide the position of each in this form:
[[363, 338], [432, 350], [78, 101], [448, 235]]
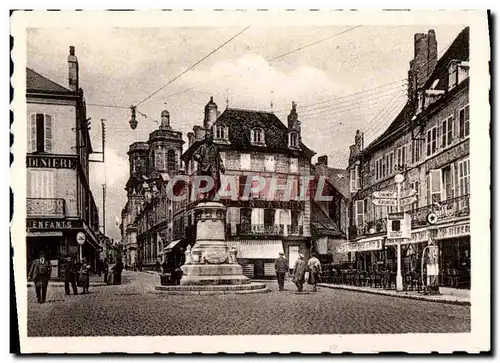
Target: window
[[40, 183], [401, 157], [359, 212], [171, 161], [431, 141], [294, 165], [434, 186], [452, 75], [293, 139], [270, 163], [269, 215], [246, 216], [355, 179], [464, 177], [447, 132], [220, 132], [415, 150], [245, 161], [40, 129], [415, 185], [257, 136], [464, 122], [391, 162], [448, 183]]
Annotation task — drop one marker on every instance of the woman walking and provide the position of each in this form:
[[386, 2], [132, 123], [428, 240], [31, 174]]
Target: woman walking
[[85, 276]]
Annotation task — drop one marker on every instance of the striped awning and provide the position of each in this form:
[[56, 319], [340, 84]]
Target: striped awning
[[257, 249]]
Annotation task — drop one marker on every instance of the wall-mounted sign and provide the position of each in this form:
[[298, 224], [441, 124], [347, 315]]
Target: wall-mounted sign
[[373, 245], [453, 231], [53, 224], [385, 202], [51, 161], [385, 194], [448, 156]]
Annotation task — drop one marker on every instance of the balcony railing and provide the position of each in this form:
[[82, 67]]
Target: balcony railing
[[46, 207], [448, 209], [264, 230]]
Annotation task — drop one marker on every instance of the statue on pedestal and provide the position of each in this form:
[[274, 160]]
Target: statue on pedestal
[[189, 256], [232, 255], [209, 164]]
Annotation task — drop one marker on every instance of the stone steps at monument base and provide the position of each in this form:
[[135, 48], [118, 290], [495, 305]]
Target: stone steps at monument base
[[213, 289]]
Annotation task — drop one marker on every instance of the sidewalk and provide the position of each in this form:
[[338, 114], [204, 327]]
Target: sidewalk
[[445, 296], [95, 280]]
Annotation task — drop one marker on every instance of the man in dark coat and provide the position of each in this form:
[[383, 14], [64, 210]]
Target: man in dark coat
[[281, 268], [70, 276], [299, 272], [40, 274], [209, 164]]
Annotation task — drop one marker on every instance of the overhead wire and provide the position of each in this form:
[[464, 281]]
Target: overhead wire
[[192, 66]]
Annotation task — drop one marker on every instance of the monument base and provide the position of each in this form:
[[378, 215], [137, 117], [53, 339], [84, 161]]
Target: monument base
[[210, 268]]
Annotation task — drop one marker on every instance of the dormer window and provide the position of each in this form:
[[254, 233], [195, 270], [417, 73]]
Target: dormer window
[[293, 139], [221, 132], [257, 136], [457, 72]]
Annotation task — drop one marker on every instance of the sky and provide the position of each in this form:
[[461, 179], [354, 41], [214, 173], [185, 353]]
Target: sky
[[350, 81]]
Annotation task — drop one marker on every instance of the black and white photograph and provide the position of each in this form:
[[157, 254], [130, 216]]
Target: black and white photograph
[[244, 181]]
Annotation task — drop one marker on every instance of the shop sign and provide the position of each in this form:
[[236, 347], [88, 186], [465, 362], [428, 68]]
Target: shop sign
[[416, 237], [48, 224], [55, 162], [453, 231], [455, 153], [362, 246]]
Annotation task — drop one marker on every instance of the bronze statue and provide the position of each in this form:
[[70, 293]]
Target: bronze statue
[[209, 164]]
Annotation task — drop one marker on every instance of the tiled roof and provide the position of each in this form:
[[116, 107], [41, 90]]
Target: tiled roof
[[321, 223], [240, 122], [37, 82], [338, 178]]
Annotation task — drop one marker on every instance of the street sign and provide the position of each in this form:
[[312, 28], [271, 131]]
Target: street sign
[[385, 202], [408, 193], [385, 194], [407, 201], [398, 225], [80, 238]]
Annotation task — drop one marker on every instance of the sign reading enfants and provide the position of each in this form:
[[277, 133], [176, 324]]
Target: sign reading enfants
[[53, 224], [56, 162]]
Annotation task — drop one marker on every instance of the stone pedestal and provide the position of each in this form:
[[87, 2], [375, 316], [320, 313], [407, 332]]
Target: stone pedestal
[[210, 267]]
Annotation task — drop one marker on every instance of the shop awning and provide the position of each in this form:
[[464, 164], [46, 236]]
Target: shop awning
[[171, 245], [374, 244], [257, 249], [44, 234]]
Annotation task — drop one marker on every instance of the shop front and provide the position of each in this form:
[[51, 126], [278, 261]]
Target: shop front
[[411, 251], [257, 257], [57, 239], [366, 252], [454, 255]]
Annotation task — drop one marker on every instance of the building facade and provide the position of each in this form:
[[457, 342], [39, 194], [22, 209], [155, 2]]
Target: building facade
[[255, 146], [428, 142], [147, 216], [59, 200]]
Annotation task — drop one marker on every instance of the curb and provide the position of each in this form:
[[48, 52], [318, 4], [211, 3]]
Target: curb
[[402, 296], [61, 284]]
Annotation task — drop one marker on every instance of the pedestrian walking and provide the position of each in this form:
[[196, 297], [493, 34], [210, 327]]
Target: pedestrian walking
[[118, 271], [105, 267], [158, 266], [70, 276], [85, 276], [299, 272], [281, 268], [40, 274], [314, 267]]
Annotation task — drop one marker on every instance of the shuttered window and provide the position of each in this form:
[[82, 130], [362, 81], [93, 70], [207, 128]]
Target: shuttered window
[[40, 183], [40, 133]]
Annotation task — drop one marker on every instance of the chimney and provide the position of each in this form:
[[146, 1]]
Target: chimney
[[73, 70], [322, 160], [210, 114], [423, 63], [191, 138]]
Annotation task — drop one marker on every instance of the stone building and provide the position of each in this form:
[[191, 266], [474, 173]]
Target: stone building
[[146, 217], [59, 201], [428, 142]]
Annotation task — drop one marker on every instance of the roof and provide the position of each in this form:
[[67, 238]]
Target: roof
[[37, 82], [241, 121], [458, 50], [338, 178], [321, 223]]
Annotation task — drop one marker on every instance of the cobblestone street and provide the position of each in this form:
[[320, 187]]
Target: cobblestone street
[[134, 308]]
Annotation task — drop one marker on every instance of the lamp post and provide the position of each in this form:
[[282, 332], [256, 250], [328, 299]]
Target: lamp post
[[399, 178]]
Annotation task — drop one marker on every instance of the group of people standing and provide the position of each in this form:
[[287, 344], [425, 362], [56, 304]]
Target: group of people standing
[[75, 274], [312, 267]]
